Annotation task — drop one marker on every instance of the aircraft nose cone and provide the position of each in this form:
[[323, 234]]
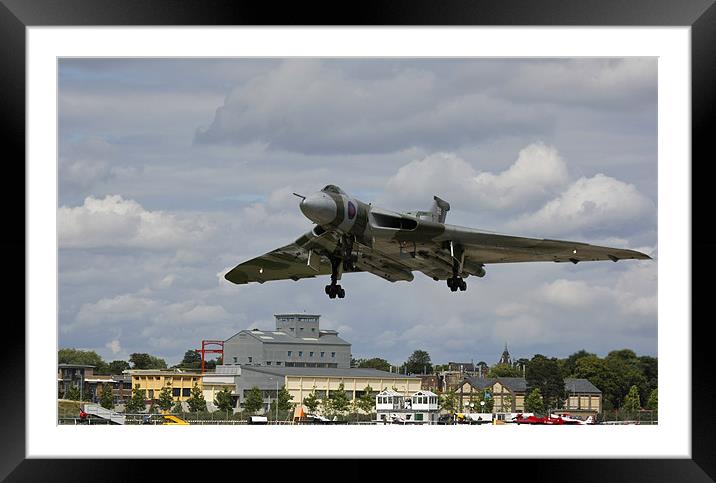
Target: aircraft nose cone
[[319, 208]]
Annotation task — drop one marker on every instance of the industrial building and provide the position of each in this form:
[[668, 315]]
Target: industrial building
[[297, 341]]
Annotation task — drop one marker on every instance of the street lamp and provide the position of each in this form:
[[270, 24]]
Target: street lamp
[[482, 409]]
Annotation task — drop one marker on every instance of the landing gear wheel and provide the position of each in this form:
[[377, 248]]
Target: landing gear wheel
[[332, 294], [328, 289], [453, 288], [463, 285], [341, 292]]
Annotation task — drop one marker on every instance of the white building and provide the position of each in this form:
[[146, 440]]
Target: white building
[[392, 407]]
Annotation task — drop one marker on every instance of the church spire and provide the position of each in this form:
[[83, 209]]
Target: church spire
[[506, 358]]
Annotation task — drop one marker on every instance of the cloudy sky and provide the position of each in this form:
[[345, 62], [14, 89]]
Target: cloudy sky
[[172, 171]]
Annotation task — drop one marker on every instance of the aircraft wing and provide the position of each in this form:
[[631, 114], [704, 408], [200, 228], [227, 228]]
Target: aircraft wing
[[495, 248], [290, 262]]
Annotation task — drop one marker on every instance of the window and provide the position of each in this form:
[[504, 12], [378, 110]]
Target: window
[[186, 392], [300, 353], [301, 328], [292, 329], [289, 353], [251, 359], [176, 391], [310, 354], [322, 354], [313, 329], [151, 394], [278, 363], [333, 354], [268, 363], [235, 360]]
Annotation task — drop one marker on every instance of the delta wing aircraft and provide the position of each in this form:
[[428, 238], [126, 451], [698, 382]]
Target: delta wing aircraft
[[352, 236]]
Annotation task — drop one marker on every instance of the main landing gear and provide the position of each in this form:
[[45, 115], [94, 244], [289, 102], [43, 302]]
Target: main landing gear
[[456, 282], [334, 289]]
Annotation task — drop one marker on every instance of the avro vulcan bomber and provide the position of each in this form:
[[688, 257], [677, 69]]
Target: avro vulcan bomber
[[352, 236]]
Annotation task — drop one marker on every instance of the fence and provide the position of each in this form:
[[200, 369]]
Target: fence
[[642, 416]]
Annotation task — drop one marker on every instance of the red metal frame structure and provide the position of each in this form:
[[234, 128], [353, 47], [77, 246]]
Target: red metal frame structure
[[203, 351]]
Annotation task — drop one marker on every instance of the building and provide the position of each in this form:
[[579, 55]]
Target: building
[[153, 381], [73, 375], [509, 393], [420, 407], [223, 378], [505, 358], [302, 381], [297, 341]]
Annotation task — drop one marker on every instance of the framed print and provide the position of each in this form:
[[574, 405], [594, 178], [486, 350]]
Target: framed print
[[176, 150]]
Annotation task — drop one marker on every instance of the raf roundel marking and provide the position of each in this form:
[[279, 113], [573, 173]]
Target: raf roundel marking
[[351, 210]]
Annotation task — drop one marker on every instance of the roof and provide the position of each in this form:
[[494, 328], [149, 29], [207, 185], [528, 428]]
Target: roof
[[74, 366], [296, 315], [159, 372], [424, 393], [327, 371], [323, 337], [480, 382], [580, 385], [389, 392], [514, 384]]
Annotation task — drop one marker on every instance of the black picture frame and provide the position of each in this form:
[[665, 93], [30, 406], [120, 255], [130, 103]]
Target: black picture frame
[[700, 15]]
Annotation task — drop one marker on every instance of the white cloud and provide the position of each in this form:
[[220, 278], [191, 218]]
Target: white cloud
[[114, 346], [115, 222], [288, 105], [596, 204], [538, 173]]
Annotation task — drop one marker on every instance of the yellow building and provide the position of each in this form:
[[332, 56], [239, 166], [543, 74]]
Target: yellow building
[[301, 381], [153, 381], [508, 394]]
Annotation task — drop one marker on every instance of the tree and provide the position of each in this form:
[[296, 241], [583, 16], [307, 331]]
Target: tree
[[374, 363], [166, 400], [106, 399], [311, 401], [136, 402], [448, 401], [146, 361], [116, 367], [284, 399], [190, 357], [631, 401], [73, 393], [595, 370], [223, 400], [534, 402], [504, 370], [77, 356], [507, 404], [366, 402], [178, 407], [254, 400], [570, 363], [339, 400], [546, 375], [653, 401], [196, 400], [477, 397], [419, 363]]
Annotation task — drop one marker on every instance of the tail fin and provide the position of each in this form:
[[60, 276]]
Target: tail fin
[[439, 209]]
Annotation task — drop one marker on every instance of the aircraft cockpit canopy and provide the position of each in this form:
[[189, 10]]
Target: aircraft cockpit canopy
[[331, 188]]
